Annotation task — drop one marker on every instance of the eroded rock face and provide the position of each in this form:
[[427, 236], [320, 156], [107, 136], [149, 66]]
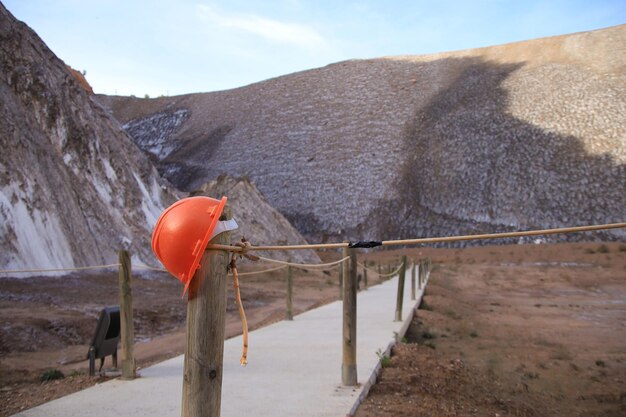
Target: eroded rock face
[[153, 132], [258, 221], [74, 188], [519, 136]]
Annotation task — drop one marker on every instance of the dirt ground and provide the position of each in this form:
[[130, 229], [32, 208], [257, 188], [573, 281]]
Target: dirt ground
[[519, 330], [533, 330], [46, 323]]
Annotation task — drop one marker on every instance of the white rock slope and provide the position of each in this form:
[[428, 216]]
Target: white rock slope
[[74, 188]]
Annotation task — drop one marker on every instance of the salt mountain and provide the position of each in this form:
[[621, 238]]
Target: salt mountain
[[519, 136], [74, 188], [257, 219]]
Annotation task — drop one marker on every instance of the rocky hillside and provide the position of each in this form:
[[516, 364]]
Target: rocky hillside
[[74, 188], [258, 221], [524, 135]]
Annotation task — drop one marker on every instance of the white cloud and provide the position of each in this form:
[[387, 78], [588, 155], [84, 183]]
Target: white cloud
[[273, 30]]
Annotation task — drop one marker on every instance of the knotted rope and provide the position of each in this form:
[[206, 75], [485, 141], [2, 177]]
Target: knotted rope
[[244, 245]]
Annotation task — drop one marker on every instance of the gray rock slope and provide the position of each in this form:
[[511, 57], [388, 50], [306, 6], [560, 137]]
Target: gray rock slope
[[258, 221], [518, 136], [74, 188]]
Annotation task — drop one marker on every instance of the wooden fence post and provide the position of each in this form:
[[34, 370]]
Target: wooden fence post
[[289, 312], [127, 329], [206, 315], [345, 267], [341, 282], [365, 276], [421, 271], [400, 296], [413, 266], [348, 366]]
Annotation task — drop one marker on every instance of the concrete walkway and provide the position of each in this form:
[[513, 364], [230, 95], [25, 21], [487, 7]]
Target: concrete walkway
[[294, 368]]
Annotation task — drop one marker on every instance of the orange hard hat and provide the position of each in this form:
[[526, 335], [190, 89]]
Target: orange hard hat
[[183, 232]]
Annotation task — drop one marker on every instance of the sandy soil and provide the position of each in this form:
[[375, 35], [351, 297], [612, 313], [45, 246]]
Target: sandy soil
[[537, 330], [523, 330]]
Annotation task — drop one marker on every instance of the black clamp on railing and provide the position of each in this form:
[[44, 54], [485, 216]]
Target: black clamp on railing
[[365, 244]]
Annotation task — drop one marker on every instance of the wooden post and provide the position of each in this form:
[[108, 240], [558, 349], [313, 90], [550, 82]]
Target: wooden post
[[206, 315], [289, 312], [400, 297], [413, 266], [421, 273], [341, 282], [92, 361], [127, 330], [348, 366], [345, 267], [365, 277]]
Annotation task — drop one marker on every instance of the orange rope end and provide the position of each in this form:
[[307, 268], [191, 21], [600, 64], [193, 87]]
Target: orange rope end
[[244, 322]]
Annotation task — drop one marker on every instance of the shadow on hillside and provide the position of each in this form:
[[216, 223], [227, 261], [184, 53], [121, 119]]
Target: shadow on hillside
[[473, 167]]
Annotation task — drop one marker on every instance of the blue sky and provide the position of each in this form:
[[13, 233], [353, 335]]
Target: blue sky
[[172, 47]]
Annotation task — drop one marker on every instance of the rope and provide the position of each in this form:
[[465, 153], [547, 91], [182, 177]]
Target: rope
[[367, 269], [246, 247], [391, 273], [153, 268], [241, 274], [244, 322], [233, 248], [303, 266], [376, 272], [333, 267], [284, 265], [78, 268], [505, 235]]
